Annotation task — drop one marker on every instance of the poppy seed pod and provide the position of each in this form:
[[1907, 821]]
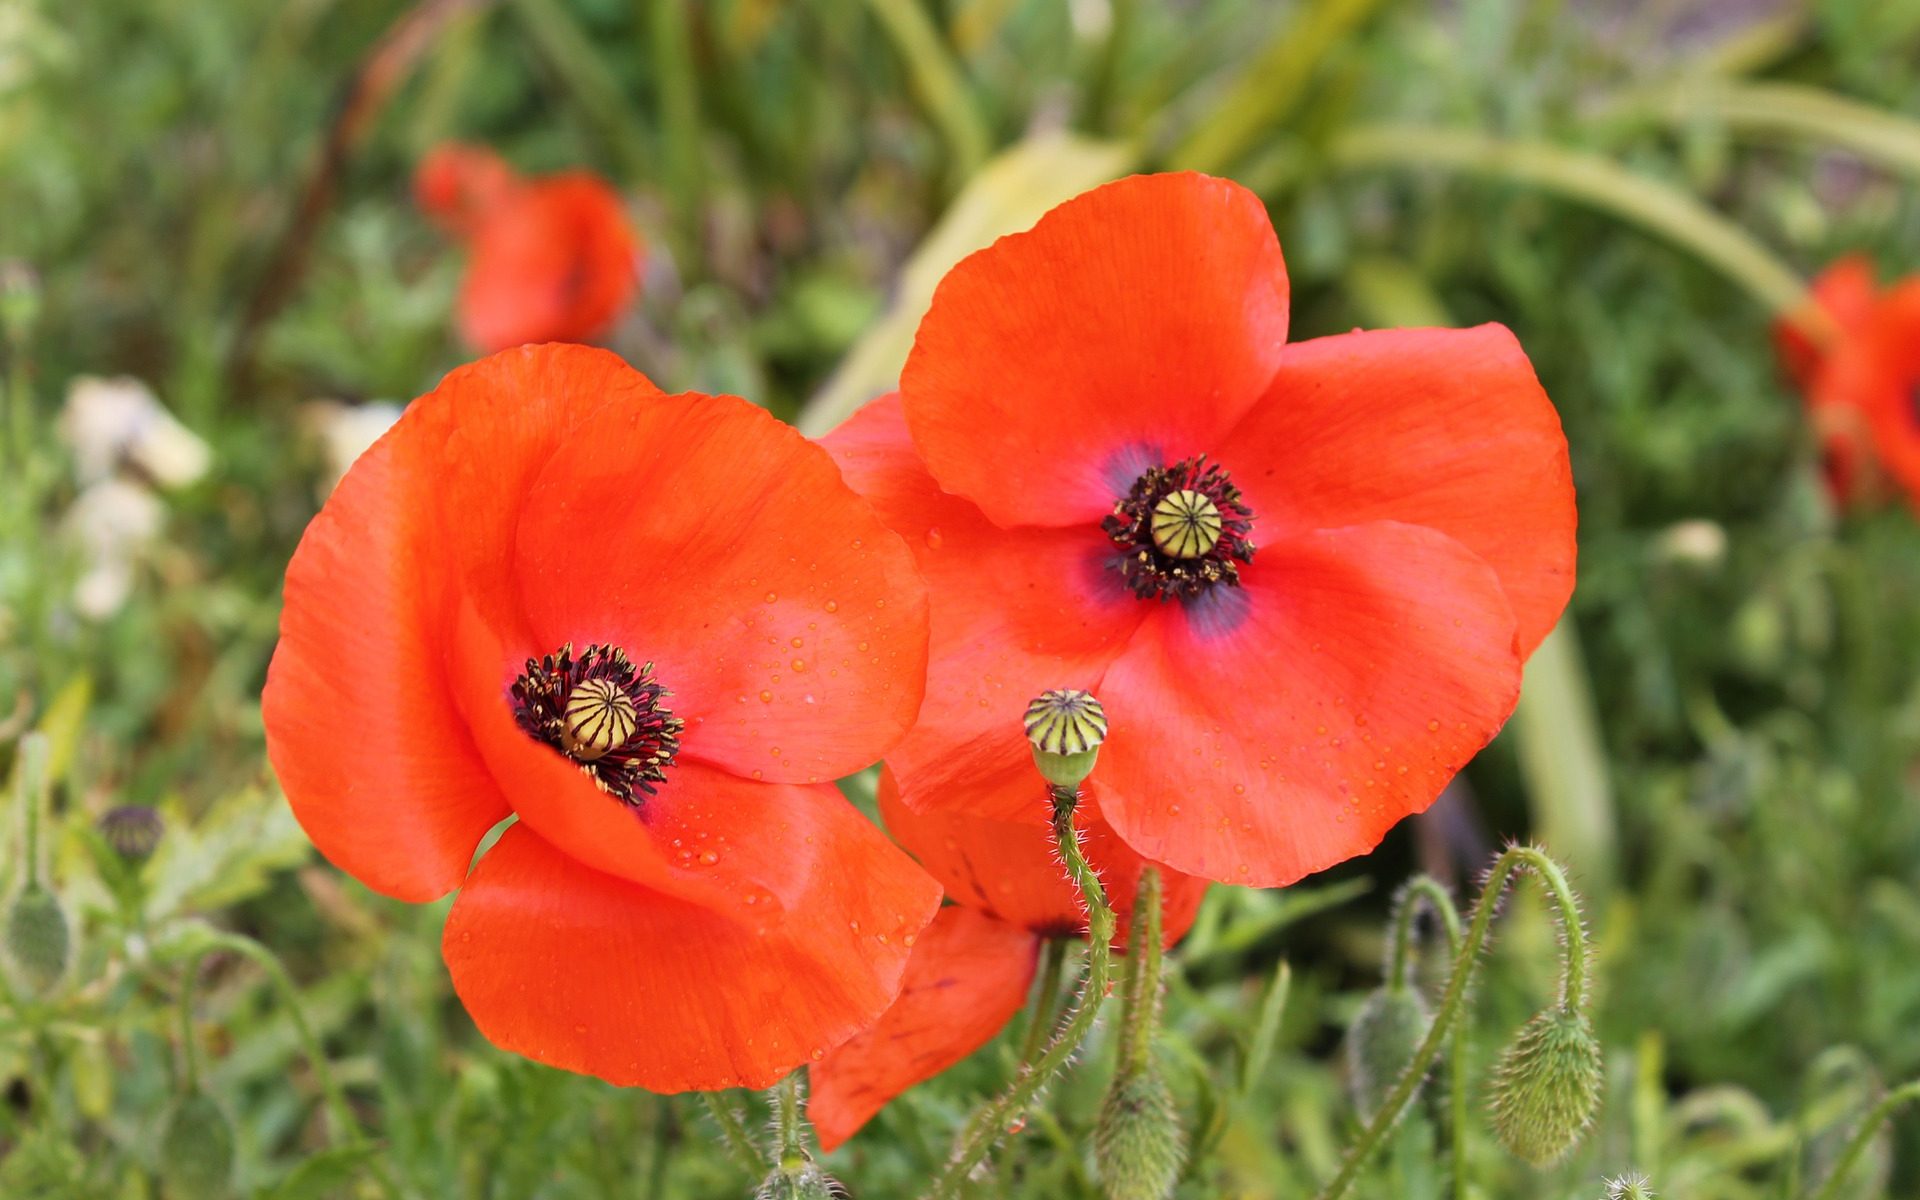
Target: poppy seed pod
[[1546, 1087], [1138, 1142], [133, 830], [196, 1149], [38, 940], [1065, 728], [1381, 1042]]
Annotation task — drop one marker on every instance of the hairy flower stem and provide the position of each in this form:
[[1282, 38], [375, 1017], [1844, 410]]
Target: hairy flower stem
[[986, 1126], [734, 1133], [1140, 998], [1466, 961], [786, 1106], [1877, 1116], [1406, 910], [345, 1127], [30, 755]]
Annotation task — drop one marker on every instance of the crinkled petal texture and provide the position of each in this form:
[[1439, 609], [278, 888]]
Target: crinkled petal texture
[[1020, 611], [1010, 869], [467, 542], [1274, 730], [1132, 324], [553, 259], [1412, 502], [968, 976], [584, 971], [1446, 428]]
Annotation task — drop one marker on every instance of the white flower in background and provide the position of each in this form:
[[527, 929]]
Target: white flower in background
[[345, 431], [110, 522], [125, 444], [111, 423]]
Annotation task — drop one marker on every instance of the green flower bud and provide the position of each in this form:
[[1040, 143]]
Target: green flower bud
[[1629, 1187], [38, 941], [1065, 728], [1546, 1087], [800, 1183], [196, 1149], [1139, 1146], [1381, 1042]]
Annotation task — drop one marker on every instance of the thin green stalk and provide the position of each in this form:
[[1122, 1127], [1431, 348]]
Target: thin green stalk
[[671, 47], [1880, 1113], [1106, 71], [987, 1125], [938, 82], [786, 1107], [734, 1133], [662, 1153], [1399, 969], [1599, 183], [1466, 962], [30, 755], [1140, 1004], [345, 1127], [1797, 109], [1051, 967]]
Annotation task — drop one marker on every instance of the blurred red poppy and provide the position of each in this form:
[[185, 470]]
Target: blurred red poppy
[[1099, 420], [650, 629], [1862, 386], [553, 259], [971, 970]]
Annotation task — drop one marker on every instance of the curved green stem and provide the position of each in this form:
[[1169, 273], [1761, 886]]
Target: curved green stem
[[1602, 184], [734, 1133], [333, 1097], [1878, 1115], [1427, 889], [986, 1126], [1466, 961]]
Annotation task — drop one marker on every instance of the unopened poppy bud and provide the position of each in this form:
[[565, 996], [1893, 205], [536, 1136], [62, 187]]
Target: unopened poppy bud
[[133, 830], [1065, 728], [1546, 1087], [1382, 1041], [1138, 1142], [38, 941], [196, 1149], [803, 1183]]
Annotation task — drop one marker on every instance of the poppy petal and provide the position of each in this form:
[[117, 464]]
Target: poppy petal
[[968, 976], [1133, 324], [554, 260], [1878, 373], [1287, 726], [1019, 611], [788, 623], [1446, 428], [705, 835], [580, 970], [1845, 293], [361, 728], [1010, 869]]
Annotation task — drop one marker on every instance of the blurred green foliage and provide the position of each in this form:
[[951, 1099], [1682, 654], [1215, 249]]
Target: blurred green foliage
[[1752, 658]]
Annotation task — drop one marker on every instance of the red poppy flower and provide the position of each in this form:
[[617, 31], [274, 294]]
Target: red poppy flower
[[1860, 387], [553, 258], [649, 628], [971, 970], [1099, 421]]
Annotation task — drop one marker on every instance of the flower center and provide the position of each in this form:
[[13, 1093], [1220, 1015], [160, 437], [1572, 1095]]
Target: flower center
[[1181, 530], [603, 713]]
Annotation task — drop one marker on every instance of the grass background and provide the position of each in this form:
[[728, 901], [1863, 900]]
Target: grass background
[[1722, 744]]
